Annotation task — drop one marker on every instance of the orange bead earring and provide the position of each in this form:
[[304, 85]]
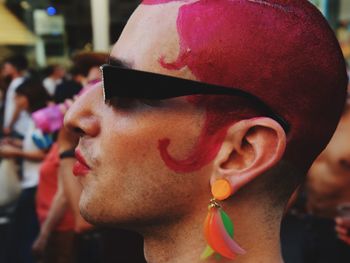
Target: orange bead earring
[[221, 189], [218, 227]]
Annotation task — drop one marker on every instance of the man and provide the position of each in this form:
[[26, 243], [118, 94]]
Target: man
[[329, 184], [15, 121], [54, 76], [82, 63], [329, 180], [152, 147]]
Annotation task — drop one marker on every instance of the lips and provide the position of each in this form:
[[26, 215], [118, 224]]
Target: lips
[[80, 167]]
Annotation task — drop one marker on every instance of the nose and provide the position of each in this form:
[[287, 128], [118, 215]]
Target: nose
[[83, 117]]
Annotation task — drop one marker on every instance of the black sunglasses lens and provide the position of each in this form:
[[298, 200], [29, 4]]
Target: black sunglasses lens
[[146, 85]]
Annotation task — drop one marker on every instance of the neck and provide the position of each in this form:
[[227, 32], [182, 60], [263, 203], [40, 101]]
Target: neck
[[184, 241]]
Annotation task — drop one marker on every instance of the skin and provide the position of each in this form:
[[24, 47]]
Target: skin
[[55, 214], [129, 184], [342, 228]]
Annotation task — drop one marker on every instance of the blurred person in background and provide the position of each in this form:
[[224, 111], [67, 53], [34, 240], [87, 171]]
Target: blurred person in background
[[328, 187], [29, 96], [82, 63], [3, 88], [14, 72], [309, 232], [343, 221], [54, 76]]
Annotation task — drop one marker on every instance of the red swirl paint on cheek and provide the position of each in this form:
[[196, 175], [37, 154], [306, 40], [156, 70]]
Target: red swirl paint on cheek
[[213, 132], [205, 151]]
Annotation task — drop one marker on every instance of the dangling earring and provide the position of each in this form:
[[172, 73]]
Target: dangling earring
[[218, 227]]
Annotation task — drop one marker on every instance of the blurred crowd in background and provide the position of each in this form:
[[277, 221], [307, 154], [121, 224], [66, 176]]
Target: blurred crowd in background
[[39, 214]]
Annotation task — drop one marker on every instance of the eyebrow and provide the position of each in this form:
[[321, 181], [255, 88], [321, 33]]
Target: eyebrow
[[116, 62]]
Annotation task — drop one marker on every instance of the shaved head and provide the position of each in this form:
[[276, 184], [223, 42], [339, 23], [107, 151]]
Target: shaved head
[[260, 46]]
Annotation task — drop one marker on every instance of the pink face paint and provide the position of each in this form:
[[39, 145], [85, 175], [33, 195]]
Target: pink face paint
[[213, 133], [156, 2], [204, 28], [206, 149]]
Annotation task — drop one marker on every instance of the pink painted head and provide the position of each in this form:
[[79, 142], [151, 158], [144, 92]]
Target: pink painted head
[[284, 52]]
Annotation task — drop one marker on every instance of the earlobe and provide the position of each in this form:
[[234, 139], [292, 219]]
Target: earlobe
[[250, 148]]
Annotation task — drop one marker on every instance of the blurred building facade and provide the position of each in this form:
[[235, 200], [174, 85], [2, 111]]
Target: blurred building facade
[[337, 13], [66, 26]]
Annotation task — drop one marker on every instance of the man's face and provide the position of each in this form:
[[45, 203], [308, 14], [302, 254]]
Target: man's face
[[59, 72], [8, 70], [127, 181]]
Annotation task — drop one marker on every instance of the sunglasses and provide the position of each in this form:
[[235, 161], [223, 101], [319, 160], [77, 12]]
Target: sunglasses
[[152, 86]]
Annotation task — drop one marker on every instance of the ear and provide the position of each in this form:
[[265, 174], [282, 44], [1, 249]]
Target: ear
[[250, 148]]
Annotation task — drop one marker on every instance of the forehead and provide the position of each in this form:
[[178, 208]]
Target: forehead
[[150, 35]]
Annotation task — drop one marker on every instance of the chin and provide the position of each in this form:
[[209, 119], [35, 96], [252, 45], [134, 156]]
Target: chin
[[88, 216], [89, 210], [98, 218], [94, 212]]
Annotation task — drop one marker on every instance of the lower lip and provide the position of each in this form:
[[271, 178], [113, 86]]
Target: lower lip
[[80, 169]]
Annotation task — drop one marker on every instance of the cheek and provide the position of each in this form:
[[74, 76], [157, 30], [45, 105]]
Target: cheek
[[136, 141], [133, 170]]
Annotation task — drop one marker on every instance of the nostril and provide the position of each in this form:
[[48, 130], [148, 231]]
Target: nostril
[[78, 131]]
